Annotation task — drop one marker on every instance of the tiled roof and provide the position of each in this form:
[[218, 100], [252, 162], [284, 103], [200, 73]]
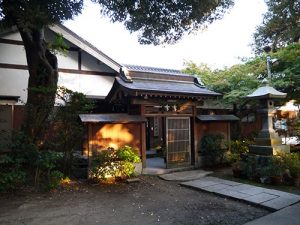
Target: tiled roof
[[148, 69], [162, 86]]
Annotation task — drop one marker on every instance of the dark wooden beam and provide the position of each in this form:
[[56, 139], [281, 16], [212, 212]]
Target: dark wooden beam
[[11, 42], [83, 72]]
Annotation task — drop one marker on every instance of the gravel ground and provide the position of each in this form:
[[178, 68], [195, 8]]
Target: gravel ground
[[151, 201]]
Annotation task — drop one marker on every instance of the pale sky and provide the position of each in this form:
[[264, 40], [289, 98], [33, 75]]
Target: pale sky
[[221, 44]]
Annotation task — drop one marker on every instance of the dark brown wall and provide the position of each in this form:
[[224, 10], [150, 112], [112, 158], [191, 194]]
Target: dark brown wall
[[212, 128], [18, 116], [251, 129]]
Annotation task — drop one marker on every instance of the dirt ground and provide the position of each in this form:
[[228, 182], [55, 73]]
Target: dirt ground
[[151, 201]]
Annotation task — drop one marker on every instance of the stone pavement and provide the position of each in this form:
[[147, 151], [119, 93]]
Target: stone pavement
[[268, 198], [287, 216], [185, 175]]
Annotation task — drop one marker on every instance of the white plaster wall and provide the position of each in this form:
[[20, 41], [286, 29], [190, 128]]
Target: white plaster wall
[[87, 84], [68, 61], [12, 54], [90, 63], [12, 36], [14, 82]]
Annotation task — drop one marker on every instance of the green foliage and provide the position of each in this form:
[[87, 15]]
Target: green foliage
[[276, 166], [58, 45], [111, 164], [67, 132], [211, 148], [237, 147], [12, 175], [242, 79], [286, 73], [126, 153], [292, 162], [55, 179], [34, 14], [280, 25], [234, 83]]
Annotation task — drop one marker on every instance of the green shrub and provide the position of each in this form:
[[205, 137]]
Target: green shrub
[[237, 147], [211, 148], [111, 164], [12, 175], [126, 153], [292, 162], [276, 166], [55, 179]]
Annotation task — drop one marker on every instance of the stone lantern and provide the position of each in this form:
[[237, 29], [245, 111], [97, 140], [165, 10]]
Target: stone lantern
[[268, 141]]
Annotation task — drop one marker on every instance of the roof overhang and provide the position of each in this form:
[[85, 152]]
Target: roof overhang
[[112, 118], [217, 118]]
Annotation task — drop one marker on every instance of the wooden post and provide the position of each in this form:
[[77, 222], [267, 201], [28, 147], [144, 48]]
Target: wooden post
[[143, 143], [90, 145], [228, 135], [143, 137], [194, 137]]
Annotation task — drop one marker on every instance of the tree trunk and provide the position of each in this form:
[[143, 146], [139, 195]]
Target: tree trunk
[[42, 83]]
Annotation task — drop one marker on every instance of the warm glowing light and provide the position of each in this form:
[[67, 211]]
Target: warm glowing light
[[114, 136]]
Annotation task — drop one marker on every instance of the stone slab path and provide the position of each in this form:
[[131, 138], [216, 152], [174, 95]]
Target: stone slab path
[[269, 198], [287, 216], [185, 175]]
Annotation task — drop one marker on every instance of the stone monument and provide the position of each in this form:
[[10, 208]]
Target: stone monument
[[268, 141]]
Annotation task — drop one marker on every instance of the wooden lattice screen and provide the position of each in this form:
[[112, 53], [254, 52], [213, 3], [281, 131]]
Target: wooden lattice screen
[[178, 141]]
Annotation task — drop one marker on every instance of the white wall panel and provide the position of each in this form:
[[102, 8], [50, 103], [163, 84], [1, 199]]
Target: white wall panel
[[87, 84], [12, 54], [14, 82], [68, 61], [91, 63]]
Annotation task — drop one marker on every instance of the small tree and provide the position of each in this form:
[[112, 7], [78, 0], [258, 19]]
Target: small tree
[[67, 131]]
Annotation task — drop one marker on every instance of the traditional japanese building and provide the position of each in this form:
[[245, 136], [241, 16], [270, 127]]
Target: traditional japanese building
[[161, 109]]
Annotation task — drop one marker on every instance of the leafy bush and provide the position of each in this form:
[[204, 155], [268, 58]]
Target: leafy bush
[[292, 162], [276, 166], [111, 164], [55, 179], [126, 153], [237, 147], [211, 147], [11, 174]]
